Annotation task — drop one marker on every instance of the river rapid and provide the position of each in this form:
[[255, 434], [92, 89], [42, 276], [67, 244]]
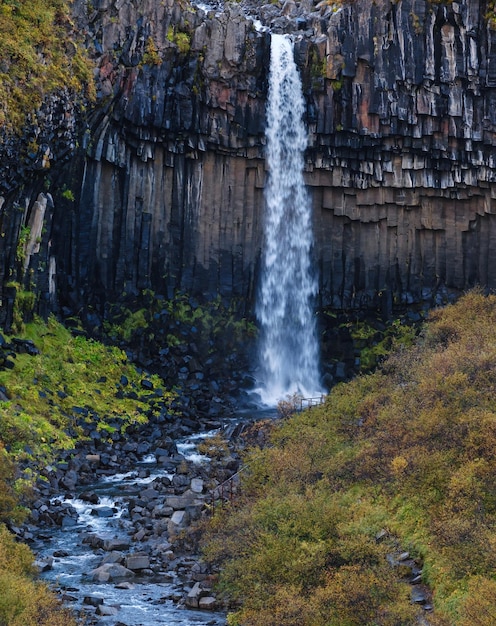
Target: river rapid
[[69, 553]]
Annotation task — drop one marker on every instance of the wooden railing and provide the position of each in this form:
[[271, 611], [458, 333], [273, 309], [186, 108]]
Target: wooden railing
[[226, 491], [308, 403]]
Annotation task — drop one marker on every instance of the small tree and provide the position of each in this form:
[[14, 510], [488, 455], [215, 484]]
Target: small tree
[[292, 404]]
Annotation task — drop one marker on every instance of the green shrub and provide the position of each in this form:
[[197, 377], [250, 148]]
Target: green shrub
[[151, 55], [406, 453], [180, 39], [219, 328], [10, 508], [69, 371], [68, 194], [130, 322]]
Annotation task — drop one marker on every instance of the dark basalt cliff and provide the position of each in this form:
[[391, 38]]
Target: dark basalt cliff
[[404, 193], [160, 184]]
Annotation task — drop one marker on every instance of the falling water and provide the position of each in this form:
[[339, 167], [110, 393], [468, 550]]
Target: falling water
[[289, 352]]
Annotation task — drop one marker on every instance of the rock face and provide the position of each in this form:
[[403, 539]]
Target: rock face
[[403, 192], [172, 193], [169, 176]]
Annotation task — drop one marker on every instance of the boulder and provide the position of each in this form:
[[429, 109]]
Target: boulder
[[44, 565], [93, 600], [182, 501], [111, 571], [111, 545], [60, 554], [162, 511], [69, 480], [138, 561], [140, 535], [149, 494], [104, 610], [66, 521], [125, 585], [179, 519], [143, 448], [199, 572], [193, 597], [196, 485], [113, 557], [419, 595], [194, 511], [104, 511], [93, 458], [89, 496], [93, 540], [208, 603]]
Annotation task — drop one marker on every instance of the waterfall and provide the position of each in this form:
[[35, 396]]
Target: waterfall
[[288, 350]]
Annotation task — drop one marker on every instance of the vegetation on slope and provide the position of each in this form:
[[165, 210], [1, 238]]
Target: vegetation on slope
[[23, 601], [53, 399], [72, 381], [401, 459], [39, 54]]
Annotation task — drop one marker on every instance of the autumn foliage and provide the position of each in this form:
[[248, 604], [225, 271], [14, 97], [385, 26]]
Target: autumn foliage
[[23, 600], [407, 455]]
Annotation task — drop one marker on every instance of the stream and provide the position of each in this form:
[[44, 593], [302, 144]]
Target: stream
[[153, 596]]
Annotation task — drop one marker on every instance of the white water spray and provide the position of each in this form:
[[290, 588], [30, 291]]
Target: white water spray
[[289, 351]]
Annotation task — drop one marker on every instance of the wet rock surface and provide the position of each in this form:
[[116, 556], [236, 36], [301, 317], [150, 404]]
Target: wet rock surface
[[409, 569], [132, 519], [399, 163], [9, 351]]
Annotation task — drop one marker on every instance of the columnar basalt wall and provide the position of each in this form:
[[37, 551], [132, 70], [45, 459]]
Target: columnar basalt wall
[[169, 175], [171, 222], [400, 161], [172, 192], [402, 157]]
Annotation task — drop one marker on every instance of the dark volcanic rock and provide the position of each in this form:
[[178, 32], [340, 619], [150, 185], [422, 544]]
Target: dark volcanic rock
[[400, 166]]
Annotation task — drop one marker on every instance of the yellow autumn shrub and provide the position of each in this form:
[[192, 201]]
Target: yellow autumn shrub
[[23, 600], [406, 454]]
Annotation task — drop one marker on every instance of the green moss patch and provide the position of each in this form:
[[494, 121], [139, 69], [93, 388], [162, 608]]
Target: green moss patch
[[39, 54], [72, 379]]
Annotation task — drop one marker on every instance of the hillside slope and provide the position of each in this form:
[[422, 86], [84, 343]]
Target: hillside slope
[[56, 390], [402, 460]]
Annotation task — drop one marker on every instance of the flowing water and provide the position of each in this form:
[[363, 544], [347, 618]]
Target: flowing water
[[147, 602], [289, 357], [289, 350]]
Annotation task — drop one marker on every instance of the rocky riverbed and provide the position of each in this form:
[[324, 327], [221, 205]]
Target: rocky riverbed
[[114, 523]]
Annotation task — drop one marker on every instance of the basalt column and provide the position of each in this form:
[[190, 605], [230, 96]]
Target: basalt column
[[168, 184], [173, 222], [401, 105]]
